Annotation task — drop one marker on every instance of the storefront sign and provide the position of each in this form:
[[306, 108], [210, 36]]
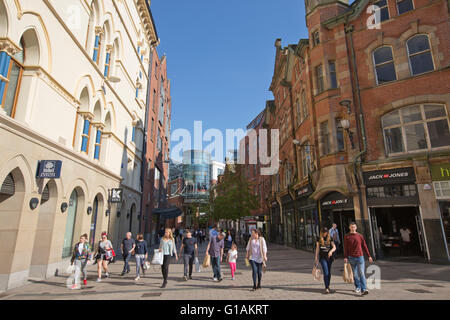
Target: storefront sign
[[305, 191], [116, 195], [440, 172], [395, 176], [49, 169], [335, 200]]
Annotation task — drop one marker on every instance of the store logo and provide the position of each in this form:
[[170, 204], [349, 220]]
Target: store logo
[[334, 202], [389, 176]]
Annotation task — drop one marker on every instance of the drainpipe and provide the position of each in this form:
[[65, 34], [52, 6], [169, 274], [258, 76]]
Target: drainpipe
[[362, 132]]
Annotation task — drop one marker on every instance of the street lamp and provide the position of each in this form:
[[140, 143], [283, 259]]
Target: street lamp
[[346, 103], [345, 124]]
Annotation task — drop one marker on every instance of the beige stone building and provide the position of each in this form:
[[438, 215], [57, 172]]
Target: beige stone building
[[73, 83]]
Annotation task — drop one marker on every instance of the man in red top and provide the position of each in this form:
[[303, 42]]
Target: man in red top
[[354, 244]]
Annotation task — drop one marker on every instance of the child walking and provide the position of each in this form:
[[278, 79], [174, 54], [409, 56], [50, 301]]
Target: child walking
[[231, 258]]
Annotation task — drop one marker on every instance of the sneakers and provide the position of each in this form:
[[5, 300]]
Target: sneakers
[[365, 293], [327, 291], [122, 274], [358, 290], [99, 280], [215, 279], [107, 275], [233, 278], [185, 278], [137, 278], [220, 279], [85, 282], [253, 289], [190, 277], [75, 287]]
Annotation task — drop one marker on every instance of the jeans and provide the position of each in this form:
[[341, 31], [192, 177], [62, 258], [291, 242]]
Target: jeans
[[359, 277], [126, 259], [188, 260], [140, 259], [326, 267], [257, 271], [233, 268], [215, 263], [165, 267], [80, 266]]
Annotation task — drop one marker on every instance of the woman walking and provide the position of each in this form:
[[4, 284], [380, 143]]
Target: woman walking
[[325, 248], [81, 256], [140, 254], [104, 254], [257, 255], [168, 248]]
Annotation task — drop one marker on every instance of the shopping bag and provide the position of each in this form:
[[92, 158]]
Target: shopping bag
[[264, 267], [70, 269], [247, 262], [207, 261], [316, 272], [197, 265], [348, 273], [146, 265], [158, 258]]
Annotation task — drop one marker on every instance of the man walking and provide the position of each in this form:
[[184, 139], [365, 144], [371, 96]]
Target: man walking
[[354, 244], [215, 250], [334, 235], [127, 246], [190, 252]]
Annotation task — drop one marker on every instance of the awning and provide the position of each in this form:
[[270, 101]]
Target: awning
[[168, 213]]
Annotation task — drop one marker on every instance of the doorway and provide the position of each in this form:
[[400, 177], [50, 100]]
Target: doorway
[[397, 232]]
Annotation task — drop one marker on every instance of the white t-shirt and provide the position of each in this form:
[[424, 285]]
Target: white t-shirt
[[254, 246], [80, 248], [233, 255], [406, 235]]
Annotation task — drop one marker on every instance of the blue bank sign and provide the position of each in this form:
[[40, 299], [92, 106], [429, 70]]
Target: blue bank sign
[[49, 169]]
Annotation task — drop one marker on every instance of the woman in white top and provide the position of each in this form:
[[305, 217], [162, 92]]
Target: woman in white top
[[231, 258], [257, 255]]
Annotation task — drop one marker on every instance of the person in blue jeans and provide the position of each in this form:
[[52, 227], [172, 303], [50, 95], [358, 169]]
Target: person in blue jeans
[[215, 250], [257, 256], [325, 248], [127, 247], [140, 254], [354, 245]]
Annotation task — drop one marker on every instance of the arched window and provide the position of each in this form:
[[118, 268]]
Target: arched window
[[416, 128], [97, 47], [70, 224], [419, 53], [98, 144], [107, 64], [11, 69], [384, 65], [85, 136], [299, 114], [304, 105], [8, 187]]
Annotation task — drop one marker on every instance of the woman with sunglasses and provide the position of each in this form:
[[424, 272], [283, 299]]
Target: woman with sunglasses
[[104, 255]]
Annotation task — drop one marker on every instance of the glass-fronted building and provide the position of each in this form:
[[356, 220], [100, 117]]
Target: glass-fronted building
[[196, 175]]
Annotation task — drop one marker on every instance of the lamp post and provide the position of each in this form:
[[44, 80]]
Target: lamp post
[[345, 124]]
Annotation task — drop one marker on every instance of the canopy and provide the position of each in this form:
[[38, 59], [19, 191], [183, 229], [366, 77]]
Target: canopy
[[168, 213]]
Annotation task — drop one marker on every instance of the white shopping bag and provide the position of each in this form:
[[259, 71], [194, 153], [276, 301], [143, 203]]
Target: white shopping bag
[[158, 258], [197, 265]]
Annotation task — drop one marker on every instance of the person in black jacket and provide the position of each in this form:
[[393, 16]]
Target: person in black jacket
[[140, 254]]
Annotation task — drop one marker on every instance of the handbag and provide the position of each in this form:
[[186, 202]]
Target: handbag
[[146, 265], [207, 261], [316, 272], [197, 265], [247, 262], [158, 258], [348, 273]]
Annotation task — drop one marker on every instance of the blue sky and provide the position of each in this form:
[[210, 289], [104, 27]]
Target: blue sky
[[221, 56]]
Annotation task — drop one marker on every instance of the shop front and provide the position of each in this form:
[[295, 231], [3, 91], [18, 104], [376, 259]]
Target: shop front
[[337, 208], [276, 234], [440, 175], [306, 219], [288, 220], [394, 210]]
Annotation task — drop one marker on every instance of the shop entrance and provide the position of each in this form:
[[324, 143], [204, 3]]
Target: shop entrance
[[397, 232], [342, 218]]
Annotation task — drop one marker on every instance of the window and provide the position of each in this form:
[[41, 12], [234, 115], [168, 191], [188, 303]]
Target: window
[[382, 10], [319, 78], [98, 143], [419, 52], [97, 48], [299, 113], [316, 38], [325, 138], [304, 105], [154, 100], [306, 159], [133, 134], [152, 129], [442, 189], [159, 143], [384, 65], [139, 49], [405, 190], [11, 69], [404, 6], [137, 92], [339, 135], [107, 64], [416, 128], [333, 77], [85, 136]]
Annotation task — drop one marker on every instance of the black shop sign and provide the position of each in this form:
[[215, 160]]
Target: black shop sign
[[336, 200], [395, 176]]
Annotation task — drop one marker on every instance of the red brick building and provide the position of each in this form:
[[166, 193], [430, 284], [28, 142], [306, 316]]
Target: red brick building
[[155, 172], [364, 127]]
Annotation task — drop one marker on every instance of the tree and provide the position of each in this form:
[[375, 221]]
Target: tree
[[233, 198]]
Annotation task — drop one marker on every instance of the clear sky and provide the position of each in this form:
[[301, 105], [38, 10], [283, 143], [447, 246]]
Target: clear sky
[[221, 56]]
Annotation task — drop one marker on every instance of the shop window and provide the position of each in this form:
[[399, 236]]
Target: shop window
[[419, 52], [384, 65], [416, 128], [319, 79], [442, 189], [98, 143], [325, 138], [382, 13], [333, 76], [406, 190], [404, 6], [85, 136], [11, 69]]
